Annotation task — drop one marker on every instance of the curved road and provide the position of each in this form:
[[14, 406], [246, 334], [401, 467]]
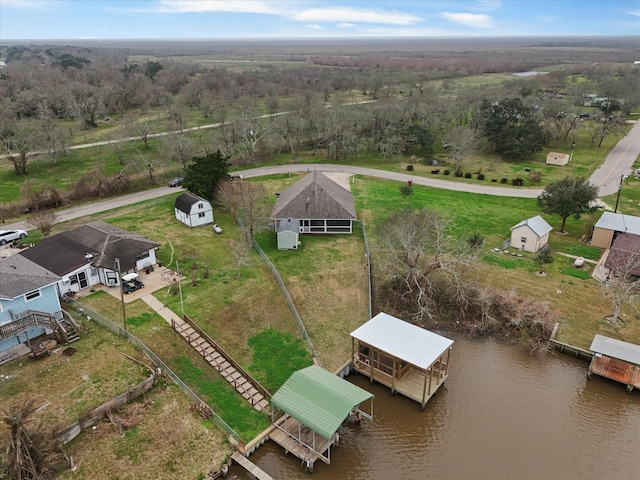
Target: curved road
[[607, 177]]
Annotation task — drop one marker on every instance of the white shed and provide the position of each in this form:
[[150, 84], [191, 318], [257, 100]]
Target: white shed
[[531, 234], [288, 233], [193, 210], [555, 158]]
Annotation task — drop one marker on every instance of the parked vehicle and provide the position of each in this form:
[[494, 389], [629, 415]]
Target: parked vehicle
[[131, 282], [176, 182], [7, 236]]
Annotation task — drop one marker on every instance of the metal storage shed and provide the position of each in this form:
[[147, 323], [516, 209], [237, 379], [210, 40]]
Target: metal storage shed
[[288, 234]]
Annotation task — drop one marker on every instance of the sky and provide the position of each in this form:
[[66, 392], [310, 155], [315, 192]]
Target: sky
[[236, 19]]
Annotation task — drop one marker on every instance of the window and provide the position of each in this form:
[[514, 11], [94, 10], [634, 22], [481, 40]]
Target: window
[[201, 206], [523, 239], [0, 306], [201, 215], [32, 295]]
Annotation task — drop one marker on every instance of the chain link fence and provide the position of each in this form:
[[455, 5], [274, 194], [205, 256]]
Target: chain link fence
[[81, 309]]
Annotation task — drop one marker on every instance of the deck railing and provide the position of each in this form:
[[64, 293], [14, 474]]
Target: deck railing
[[27, 319]]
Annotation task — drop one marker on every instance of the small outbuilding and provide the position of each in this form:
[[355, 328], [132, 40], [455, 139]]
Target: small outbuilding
[[315, 403], [411, 360], [555, 158], [616, 360], [531, 235], [288, 234], [193, 211], [610, 224]]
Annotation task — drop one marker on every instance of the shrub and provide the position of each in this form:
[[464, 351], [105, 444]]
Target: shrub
[[494, 179], [406, 190], [458, 173], [409, 168], [535, 177], [481, 176], [517, 182], [504, 180], [446, 172], [467, 175], [435, 171]]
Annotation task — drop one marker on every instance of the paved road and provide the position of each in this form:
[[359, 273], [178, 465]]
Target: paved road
[[606, 177], [618, 163]]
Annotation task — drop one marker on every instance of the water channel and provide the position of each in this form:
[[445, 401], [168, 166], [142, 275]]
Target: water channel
[[502, 414]]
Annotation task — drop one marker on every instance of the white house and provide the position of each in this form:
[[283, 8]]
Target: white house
[[288, 233], [193, 210], [531, 234], [86, 255], [555, 158]]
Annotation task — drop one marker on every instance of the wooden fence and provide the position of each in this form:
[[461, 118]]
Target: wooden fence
[[94, 416]]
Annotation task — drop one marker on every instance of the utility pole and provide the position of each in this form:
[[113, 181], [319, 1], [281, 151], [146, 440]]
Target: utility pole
[[619, 190], [124, 315]]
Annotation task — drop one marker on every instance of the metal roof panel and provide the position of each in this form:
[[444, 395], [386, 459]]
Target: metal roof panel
[[403, 340]]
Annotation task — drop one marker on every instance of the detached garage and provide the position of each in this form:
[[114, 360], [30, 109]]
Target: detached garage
[[193, 210]]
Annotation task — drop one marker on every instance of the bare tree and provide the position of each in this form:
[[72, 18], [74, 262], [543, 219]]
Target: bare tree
[[241, 250], [245, 200], [21, 139], [179, 148], [460, 141], [43, 221], [417, 256], [623, 285]]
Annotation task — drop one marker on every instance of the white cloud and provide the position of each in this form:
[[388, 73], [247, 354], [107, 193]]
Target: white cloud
[[356, 15], [468, 19], [314, 27], [634, 13], [346, 25]]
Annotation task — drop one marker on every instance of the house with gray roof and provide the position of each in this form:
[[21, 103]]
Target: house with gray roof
[[531, 235], [86, 255], [26, 288], [320, 204]]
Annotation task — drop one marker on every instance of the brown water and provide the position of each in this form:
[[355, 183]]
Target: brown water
[[502, 414]]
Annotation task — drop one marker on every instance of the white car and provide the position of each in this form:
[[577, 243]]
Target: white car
[[7, 236]]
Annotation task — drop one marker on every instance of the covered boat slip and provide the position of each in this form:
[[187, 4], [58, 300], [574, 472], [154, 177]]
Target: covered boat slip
[[315, 403], [616, 360], [410, 360]]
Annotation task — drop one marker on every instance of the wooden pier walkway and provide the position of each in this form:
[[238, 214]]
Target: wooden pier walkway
[[250, 467], [243, 383]]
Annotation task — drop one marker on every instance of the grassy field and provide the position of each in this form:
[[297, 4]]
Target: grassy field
[[166, 442]]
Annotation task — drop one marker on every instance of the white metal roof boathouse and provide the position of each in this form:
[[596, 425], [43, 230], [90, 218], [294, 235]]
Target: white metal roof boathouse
[[410, 360]]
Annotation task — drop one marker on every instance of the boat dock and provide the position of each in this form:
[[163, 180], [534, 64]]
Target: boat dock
[[250, 467]]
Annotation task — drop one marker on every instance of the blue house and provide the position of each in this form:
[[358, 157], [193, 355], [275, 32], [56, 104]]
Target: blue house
[[29, 303]]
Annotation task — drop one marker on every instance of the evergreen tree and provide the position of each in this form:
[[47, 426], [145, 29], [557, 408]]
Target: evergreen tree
[[203, 174]]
